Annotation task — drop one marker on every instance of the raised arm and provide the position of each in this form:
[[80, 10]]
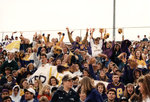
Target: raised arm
[[85, 38], [61, 40], [69, 35]]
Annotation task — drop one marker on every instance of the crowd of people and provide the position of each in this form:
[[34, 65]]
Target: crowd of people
[[93, 69]]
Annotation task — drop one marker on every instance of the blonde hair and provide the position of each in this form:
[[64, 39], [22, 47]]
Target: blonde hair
[[44, 88], [87, 84]]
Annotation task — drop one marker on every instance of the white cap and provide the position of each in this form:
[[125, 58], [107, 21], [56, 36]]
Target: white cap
[[31, 90]]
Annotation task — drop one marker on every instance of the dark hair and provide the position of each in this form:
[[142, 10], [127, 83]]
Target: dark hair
[[22, 80], [43, 54], [111, 90], [5, 98], [49, 82], [54, 89], [98, 84]]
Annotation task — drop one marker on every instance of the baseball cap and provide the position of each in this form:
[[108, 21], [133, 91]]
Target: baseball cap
[[67, 78], [31, 90]]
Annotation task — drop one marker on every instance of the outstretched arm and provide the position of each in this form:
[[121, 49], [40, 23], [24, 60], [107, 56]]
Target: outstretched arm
[[85, 38], [61, 40], [69, 35]]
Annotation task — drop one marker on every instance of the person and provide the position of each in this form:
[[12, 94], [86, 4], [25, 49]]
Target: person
[[145, 38], [7, 99], [102, 90], [65, 93], [16, 93], [87, 86], [111, 94], [11, 63], [144, 87], [29, 95], [129, 91], [53, 81], [77, 43], [5, 93], [96, 45], [118, 86], [45, 91]]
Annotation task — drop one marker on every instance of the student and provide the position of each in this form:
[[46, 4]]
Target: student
[[102, 90], [144, 87], [66, 93], [7, 99], [119, 87], [16, 93], [111, 94], [87, 86], [29, 95]]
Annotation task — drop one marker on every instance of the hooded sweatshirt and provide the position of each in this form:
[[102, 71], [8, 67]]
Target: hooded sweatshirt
[[17, 97]]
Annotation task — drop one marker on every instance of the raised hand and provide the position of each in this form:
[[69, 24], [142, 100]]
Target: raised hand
[[92, 60], [67, 29]]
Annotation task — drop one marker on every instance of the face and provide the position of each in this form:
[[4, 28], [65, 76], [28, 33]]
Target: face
[[8, 100], [25, 84], [102, 74], [44, 59], [137, 74], [53, 81], [145, 51], [16, 91], [115, 78], [9, 78], [77, 39], [7, 72], [85, 65], [47, 90], [138, 53], [117, 47], [29, 50], [28, 95], [130, 89], [141, 88], [58, 62], [111, 95], [65, 50], [36, 84], [68, 84], [15, 74], [100, 89], [85, 73], [107, 45], [31, 66], [10, 57], [96, 42], [82, 96], [4, 94]]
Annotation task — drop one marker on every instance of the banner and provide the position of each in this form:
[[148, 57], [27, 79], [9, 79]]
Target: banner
[[12, 47], [44, 74]]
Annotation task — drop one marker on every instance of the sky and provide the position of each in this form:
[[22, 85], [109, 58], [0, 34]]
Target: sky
[[51, 16]]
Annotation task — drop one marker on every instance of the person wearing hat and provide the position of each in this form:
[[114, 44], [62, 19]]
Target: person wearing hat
[[65, 93], [29, 95]]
